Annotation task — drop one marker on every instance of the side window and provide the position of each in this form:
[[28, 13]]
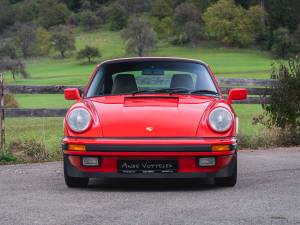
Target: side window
[[96, 87]]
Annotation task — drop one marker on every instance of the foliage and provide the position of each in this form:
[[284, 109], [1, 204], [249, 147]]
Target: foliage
[[283, 110], [41, 46], [53, 13], [29, 150], [10, 101], [118, 17], [161, 9], [25, 37], [284, 44], [62, 40], [89, 52], [6, 15], [139, 35], [88, 20], [187, 24], [7, 157], [15, 66], [234, 25], [8, 49]]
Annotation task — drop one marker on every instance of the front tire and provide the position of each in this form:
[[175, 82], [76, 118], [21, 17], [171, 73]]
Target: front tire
[[231, 180], [74, 182]]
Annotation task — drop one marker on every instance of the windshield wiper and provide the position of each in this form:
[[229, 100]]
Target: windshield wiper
[[173, 90], [143, 91], [205, 92]]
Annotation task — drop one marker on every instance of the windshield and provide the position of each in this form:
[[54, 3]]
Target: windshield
[[140, 77]]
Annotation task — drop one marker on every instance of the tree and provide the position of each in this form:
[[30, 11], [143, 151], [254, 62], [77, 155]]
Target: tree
[[89, 53], [161, 9], [8, 49], [53, 13], [88, 19], [187, 24], [42, 43], [233, 25], [139, 35], [284, 44], [62, 40], [118, 16], [15, 66], [25, 37], [6, 15]]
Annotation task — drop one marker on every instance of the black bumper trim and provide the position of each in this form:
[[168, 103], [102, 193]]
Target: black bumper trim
[[148, 148], [144, 148]]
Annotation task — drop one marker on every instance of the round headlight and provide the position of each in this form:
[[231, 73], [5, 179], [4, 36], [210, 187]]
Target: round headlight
[[79, 119], [220, 119]]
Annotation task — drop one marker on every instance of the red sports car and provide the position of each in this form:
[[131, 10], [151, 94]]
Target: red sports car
[[151, 117]]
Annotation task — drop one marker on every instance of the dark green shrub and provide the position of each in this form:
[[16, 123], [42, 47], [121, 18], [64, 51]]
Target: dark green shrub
[[283, 43], [7, 157], [283, 110], [89, 53]]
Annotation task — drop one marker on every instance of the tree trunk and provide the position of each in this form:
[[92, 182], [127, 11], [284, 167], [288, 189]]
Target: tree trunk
[[140, 52], [62, 53]]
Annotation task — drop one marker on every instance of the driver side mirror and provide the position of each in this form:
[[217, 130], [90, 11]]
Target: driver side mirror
[[237, 94], [72, 94]]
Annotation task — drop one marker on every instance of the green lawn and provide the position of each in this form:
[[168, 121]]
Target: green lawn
[[225, 62]]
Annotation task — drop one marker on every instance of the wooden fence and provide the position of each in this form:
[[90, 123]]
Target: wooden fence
[[258, 89]]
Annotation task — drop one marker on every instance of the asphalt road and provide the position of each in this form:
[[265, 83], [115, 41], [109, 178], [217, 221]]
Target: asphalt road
[[268, 192]]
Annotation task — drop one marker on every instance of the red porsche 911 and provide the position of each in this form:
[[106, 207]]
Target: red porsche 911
[[151, 117]]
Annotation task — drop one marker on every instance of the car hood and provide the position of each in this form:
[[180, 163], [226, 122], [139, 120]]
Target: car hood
[[150, 116]]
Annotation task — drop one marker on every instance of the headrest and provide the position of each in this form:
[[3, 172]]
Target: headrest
[[124, 84]]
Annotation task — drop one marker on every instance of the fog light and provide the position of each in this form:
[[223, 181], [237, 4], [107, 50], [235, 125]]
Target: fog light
[[207, 161], [90, 161]]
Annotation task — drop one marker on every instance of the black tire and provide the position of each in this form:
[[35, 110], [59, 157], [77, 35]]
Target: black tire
[[231, 180], [74, 182]]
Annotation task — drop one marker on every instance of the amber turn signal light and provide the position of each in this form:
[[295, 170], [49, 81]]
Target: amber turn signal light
[[218, 148], [74, 147]]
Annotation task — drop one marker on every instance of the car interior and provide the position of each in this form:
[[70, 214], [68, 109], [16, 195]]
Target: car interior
[[126, 83]]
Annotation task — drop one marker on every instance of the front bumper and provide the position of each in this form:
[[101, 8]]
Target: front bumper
[[186, 151]]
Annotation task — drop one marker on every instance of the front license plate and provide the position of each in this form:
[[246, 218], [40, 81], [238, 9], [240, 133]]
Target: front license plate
[[147, 166]]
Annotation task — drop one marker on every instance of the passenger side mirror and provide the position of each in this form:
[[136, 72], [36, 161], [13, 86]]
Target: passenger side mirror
[[237, 94], [72, 94]]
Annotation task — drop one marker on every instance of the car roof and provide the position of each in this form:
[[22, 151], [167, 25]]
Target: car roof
[[147, 59]]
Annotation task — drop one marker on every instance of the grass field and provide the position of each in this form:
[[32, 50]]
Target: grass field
[[225, 62]]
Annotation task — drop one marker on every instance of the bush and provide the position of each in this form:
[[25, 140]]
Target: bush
[[10, 101], [29, 150], [139, 35], [89, 52], [62, 40], [7, 157], [283, 110], [234, 25], [284, 44], [88, 20]]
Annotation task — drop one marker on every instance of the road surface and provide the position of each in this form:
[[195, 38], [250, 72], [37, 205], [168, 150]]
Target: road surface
[[268, 192]]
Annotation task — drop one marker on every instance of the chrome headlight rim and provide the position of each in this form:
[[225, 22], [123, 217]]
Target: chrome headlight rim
[[212, 123], [87, 124]]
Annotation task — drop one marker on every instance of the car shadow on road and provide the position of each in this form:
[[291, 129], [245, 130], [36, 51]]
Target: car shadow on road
[[150, 185]]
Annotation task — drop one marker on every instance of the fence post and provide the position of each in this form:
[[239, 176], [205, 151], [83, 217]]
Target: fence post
[[2, 116]]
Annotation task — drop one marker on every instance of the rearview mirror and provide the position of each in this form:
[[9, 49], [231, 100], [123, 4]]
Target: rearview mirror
[[237, 94], [72, 94]]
